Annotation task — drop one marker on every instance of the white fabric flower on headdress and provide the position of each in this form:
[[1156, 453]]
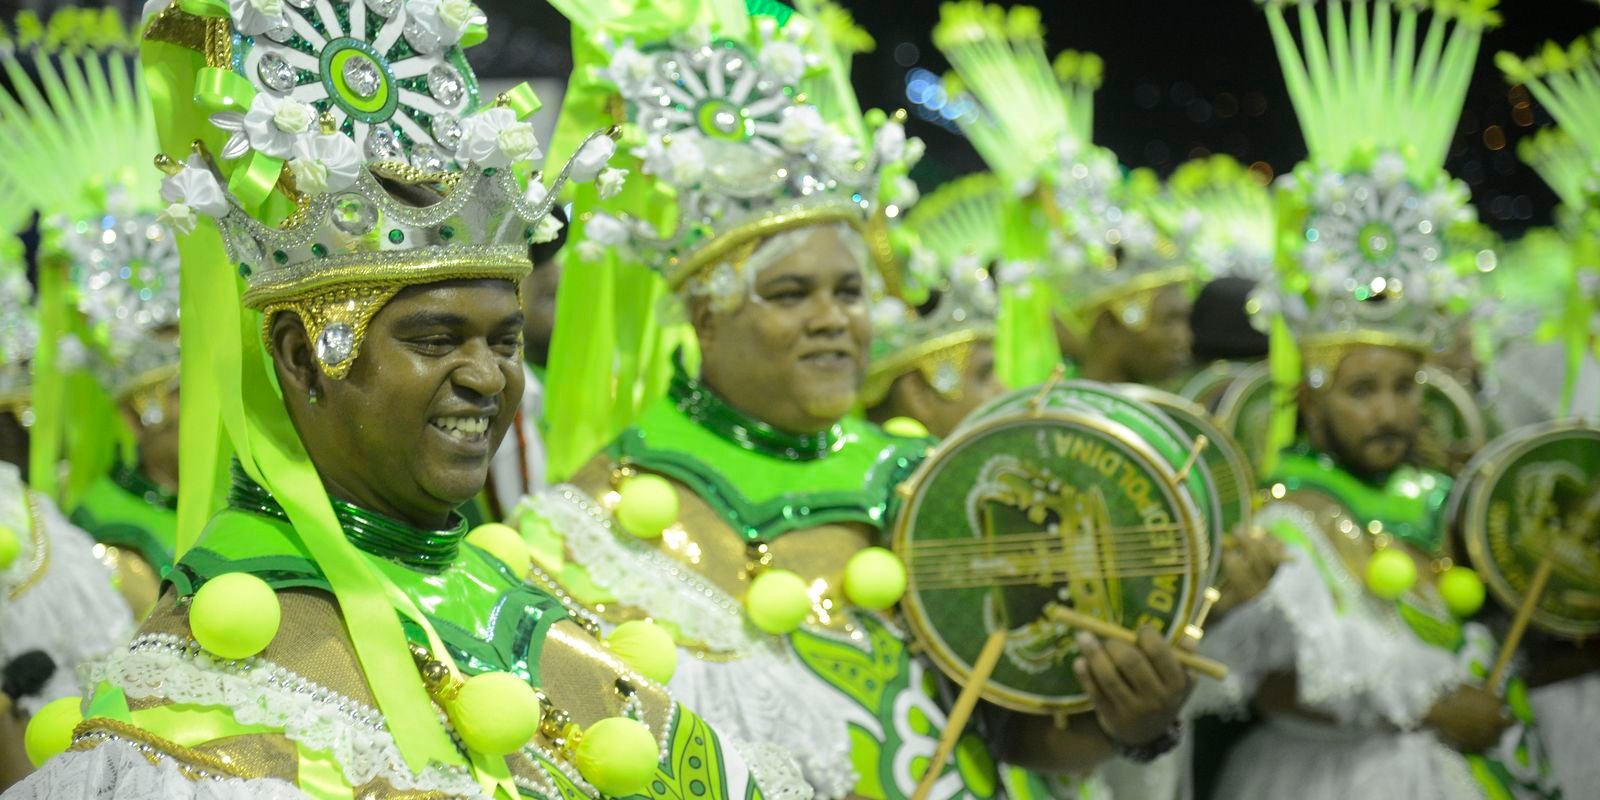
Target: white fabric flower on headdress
[[915, 148], [193, 189], [890, 141], [325, 163], [269, 127], [592, 158], [630, 69], [1389, 169], [547, 230], [838, 152], [253, 17], [601, 232], [680, 163], [610, 181], [800, 128], [445, 20], [784, 60], [496, 138], [535, 193]]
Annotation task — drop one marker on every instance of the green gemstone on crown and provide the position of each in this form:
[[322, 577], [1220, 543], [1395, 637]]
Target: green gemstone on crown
[[244, 270], [318, 250], [280, 256], [397, 236]]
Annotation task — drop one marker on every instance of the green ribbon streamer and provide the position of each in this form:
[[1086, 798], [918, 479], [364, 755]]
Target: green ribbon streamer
[[474, 35], [205, 8], [217, 89], [252, 182], [522, 100], [231, 375], [1284, 364]]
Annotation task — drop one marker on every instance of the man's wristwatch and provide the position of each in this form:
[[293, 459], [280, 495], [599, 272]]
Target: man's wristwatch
[[1153, 749]]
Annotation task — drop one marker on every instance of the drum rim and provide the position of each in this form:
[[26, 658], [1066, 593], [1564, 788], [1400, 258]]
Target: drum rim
[[911, 606], [1224, 441], [1475, 535]]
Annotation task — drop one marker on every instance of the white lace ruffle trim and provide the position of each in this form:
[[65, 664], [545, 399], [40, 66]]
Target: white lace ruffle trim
[[774, 771], [1360, 663], [71, 611], [125, 770], [259, 692], [769, 698], [618, 563]]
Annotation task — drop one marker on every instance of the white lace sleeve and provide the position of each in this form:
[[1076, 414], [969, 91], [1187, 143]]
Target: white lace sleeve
[[120, 769], [57, 598], [1353, 656]]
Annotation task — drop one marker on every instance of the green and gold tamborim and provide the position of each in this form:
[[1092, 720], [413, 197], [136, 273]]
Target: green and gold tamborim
[[1207, 386], [1528, 509], [1041, 499], [1231, 474]]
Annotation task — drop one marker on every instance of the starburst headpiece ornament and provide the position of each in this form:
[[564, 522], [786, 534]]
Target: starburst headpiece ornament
[[1377, 244], [947, 302], [323, 156], [1566, 81], [718, 118]]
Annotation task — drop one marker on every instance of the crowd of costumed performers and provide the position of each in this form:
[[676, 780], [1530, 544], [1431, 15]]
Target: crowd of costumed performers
[[694, 452]]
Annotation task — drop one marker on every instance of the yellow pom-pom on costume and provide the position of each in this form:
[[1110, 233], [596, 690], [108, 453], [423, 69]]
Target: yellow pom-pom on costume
[[646, 505], [50, 731], [874, 579], [1391, 573], [1462, 591], [504, 543], [496, 713], [646, 647], [905, 426], [777, 601], [618, 755], [235, 615], [10, 546]]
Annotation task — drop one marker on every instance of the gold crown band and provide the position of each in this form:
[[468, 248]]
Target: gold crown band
[[1324, 351], [679, 271], [925, 356], [1146, 283]]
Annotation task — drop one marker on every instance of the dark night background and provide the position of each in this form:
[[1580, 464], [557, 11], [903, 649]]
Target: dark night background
[[1182, 79]]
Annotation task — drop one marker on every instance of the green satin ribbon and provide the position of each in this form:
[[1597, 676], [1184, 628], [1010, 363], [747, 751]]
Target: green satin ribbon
[[205, 8], [217, 89], [474, 35], [1283, 358], [253, 181], [522, 100], [192, 725]]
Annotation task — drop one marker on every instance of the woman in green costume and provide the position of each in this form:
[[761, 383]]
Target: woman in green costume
[[735, 508], [333, 630], [1358, 654], [108, 383]]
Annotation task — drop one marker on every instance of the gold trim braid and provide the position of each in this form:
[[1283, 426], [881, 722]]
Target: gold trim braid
[[210, 37], [1131, 289], [926, 357], [679, 271], [1324, 351]]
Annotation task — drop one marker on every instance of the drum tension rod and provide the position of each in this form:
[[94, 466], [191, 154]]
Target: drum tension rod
[[1200, 444], [1036, 405]]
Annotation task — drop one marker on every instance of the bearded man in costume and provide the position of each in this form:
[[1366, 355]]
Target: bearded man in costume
[[1358, 653]]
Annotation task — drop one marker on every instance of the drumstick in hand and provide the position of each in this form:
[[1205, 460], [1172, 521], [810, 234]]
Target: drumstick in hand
[[1106, 630]]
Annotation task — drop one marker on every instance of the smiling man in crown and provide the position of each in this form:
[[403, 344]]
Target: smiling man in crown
[[334, 630]]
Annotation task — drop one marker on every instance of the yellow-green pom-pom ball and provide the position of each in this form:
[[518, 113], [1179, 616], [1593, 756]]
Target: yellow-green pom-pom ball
[[647, 504], [777, 601], [1390, 573], [235, 615], [1462, 591], [50, 731], [10, 546], [874, 579], [618, 755], [905, 426], [504, 543], [646, 647], [495, 713]]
